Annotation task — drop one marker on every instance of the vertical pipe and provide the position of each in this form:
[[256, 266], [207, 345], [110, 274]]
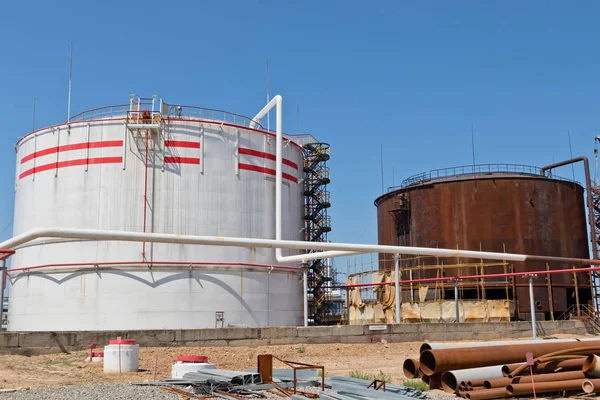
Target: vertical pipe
[[57, 152], [202, 149], [164, 132], [145, 194], [577, 293], [87, 149], [125, 135], [550, 298], [397, 287], [412, 295], [305, 292], [2, 286], [532, 307], [456, 301], [590, 206], [278, 169], [34, 152]]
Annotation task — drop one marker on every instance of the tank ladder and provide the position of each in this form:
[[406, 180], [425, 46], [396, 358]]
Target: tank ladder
[[317, 226], [595, 276]]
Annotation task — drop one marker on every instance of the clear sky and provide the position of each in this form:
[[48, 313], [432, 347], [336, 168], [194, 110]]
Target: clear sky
[[411, 76]]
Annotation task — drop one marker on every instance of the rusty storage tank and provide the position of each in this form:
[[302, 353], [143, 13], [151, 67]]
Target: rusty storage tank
[[500, 208]]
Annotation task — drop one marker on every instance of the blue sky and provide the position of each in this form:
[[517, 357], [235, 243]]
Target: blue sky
[[411, 76]]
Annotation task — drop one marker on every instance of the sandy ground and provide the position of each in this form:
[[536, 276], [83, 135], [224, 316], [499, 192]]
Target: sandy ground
[[18, 371]]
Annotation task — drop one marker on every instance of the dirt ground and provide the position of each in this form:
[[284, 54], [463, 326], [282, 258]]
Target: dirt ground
[[18, 371]]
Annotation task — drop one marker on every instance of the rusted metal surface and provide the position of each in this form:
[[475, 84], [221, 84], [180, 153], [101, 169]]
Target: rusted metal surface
[[265, 367], [523, 389], [497, 393], [589, 387], [559, 365], [557, 376], [497, 383], [591, 366], [451, 379], [438, 361], [521, 214], [411, 368]]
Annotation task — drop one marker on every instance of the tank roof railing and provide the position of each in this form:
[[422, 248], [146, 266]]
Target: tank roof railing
[[183, 111], [472, 170], [169, 111]]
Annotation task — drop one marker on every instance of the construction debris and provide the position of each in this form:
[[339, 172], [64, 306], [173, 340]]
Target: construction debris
[[286, 383], [477, 372]]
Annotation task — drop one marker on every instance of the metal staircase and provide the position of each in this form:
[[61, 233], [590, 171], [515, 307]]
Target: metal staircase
[[582, 312], [594, 275], [317, 226]]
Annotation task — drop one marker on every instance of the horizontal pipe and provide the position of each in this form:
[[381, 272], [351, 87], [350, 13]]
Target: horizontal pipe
[[547, 367], [523, 389], [557, 376], [486, 276], [497, 383], [411, 368], [456, 345], [568, 352], [475, 383], [110, 235], [487, 394], [451, 379], [590, 387], [591, 366], [156, 264], [434, 362]]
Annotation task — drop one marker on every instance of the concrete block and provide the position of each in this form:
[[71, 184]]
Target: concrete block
[[434, 329], [248, 342], [41, 339], [355, 339], [152, 338], [204, 343], [286, 340], [238, 333], [322, 340], [279, 332], [406, 337], [315, 331], [83, 339], [9, 340], [348, 330], [406, 328], [195, 335]]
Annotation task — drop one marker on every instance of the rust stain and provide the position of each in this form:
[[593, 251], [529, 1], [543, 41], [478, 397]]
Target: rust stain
[[529, 214]]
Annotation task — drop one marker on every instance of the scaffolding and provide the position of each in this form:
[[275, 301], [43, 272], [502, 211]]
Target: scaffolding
[[317, 226]]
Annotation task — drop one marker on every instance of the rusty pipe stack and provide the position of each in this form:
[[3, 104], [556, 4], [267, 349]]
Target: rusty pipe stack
[[500, 371]]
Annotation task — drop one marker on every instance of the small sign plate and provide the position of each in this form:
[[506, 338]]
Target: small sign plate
[[377, 327], [529, 358]]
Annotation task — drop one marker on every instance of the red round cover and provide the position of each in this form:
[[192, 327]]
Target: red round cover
[[196, 359]]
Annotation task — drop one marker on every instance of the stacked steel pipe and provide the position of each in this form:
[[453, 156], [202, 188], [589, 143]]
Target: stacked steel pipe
[[499, 370]]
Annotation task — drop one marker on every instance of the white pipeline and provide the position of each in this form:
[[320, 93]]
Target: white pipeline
[[277, 102], [152, 237]]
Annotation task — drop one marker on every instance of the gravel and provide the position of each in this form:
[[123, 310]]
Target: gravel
[[127, 391], [113, 392]]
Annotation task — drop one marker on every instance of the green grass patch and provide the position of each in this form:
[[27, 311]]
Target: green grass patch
[[416, 384], [369, 376]]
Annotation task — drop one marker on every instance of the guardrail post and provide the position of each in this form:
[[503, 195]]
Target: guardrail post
[[532, 307], [456, 301], [397, 287]]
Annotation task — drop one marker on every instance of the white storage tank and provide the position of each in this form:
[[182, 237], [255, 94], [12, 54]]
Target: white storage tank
[[152, 167]]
